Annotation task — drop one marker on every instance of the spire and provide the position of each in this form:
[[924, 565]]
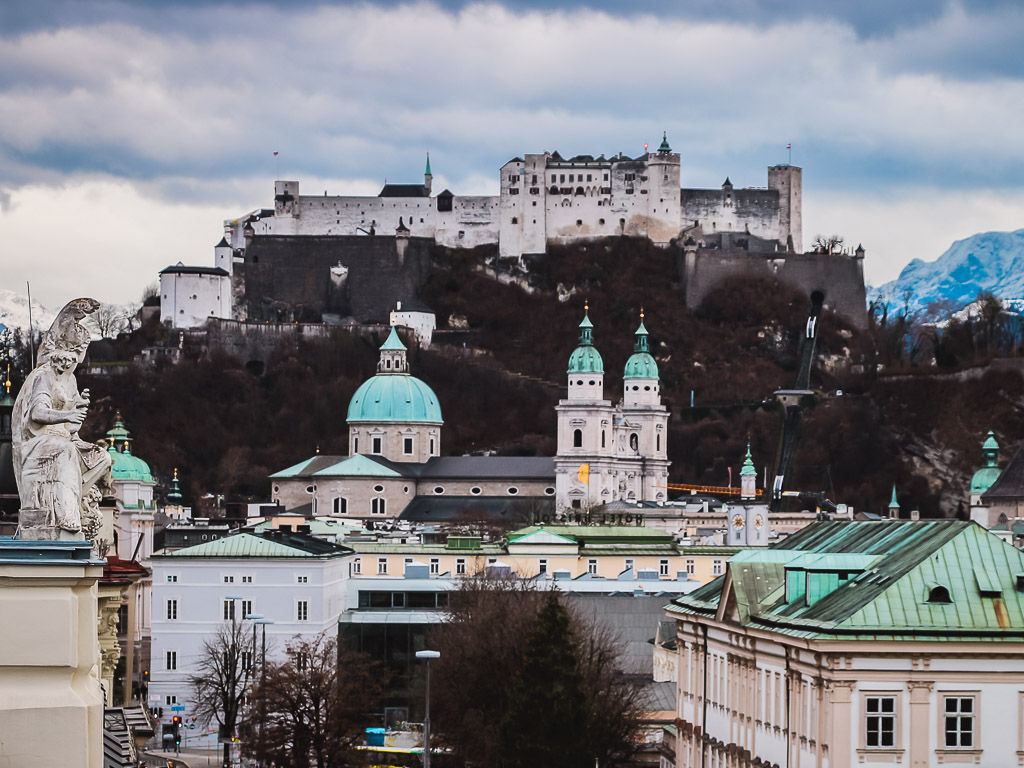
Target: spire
[[894, 505], [586, 327], [664, 149], [990, 450], [748, 465], [174, 494], [427, 171], [392, 354], [641, 344]]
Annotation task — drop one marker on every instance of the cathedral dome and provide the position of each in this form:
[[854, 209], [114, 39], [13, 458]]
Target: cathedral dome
[[585, 358], [394, 397], [641, 364], [125, 467]]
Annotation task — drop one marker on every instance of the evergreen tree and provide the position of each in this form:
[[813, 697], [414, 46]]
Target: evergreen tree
[[546, 722]]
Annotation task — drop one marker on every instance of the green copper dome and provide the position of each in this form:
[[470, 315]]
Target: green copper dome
[[640, 364], [393, 394], [983, 479], [128, 468], [394, 397], [585, 358]]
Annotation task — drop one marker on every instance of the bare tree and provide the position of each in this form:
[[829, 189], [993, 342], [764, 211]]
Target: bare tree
[[828, 243], [311, 708], [108, 320], [220, 681]]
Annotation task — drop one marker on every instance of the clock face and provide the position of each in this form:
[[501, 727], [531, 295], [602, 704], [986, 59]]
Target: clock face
[[737, 521], [758, 522]]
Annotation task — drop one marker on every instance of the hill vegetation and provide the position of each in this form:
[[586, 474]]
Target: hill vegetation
[[883, 417]]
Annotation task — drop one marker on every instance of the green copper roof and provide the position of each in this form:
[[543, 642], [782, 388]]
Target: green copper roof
[[396, 397], [295, 469], [427, 172], [585, 358], [664, 143], [125, 467], [640, 364], [358, 466], [990, 443], [893, 502], [889, 579], [248, 545], [393, 342], [984, 478], [174, 494], [748, 465]]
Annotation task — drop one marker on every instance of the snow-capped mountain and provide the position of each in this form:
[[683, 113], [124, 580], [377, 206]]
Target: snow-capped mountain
[[987, 261], [14, 312]]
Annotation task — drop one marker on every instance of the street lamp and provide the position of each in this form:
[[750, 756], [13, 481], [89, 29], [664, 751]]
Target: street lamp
[[263, 677], [427, 656]]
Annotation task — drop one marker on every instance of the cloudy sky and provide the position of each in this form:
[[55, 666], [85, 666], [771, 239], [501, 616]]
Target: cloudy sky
[[129, 131]]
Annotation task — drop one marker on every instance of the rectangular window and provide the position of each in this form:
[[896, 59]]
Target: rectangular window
[[431, 446], [247, 608], [382, 565], [357, 566], [355, 445], [663, 567], [691, 566], [958, 722], [435, 566], [170, 700], [377, 442], [302, 611], [172, 610], [716, 567], [591, 567], [247, 579], [542, 565], [460, 566], [628, 564], [172, 578], [246, 659], [302, 579], [172, 661], [407, 446], [880, 721], [229, 610], [229, 579]]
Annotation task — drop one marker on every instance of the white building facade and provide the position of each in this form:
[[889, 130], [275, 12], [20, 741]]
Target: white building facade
[[189, 296], [296, 582]]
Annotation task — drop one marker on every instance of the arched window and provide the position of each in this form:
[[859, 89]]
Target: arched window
[[341, 506], [603, 433], [657, 442], [939, 594], [577, 438], [378, 506], [634, 442]]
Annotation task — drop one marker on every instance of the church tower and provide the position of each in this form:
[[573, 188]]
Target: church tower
[[641, 427], [584, 462]]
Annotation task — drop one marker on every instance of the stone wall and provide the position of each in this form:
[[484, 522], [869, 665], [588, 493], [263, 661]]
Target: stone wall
[[839, 276], [300, 278]]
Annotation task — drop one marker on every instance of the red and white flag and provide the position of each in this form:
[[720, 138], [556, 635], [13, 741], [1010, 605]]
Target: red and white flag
[[275, 154]]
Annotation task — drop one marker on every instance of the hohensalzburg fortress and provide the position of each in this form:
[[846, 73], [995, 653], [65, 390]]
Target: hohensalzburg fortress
[[545, 199]]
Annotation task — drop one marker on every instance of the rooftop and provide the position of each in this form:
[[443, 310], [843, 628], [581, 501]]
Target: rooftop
[[264, 544], [874, 580]]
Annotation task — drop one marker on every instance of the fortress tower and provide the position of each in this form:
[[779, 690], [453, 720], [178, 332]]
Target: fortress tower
[[787, 179]]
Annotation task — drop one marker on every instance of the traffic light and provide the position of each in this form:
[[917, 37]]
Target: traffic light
[[176, 729]]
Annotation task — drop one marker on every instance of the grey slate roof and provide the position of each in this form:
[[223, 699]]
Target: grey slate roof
[[404, 190], [181, 269], [510, 509], [1010, 484]]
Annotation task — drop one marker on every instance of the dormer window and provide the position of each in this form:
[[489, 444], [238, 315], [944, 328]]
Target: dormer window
[[939, 594]]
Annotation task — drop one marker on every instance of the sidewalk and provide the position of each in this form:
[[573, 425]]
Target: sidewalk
[[190, 758]]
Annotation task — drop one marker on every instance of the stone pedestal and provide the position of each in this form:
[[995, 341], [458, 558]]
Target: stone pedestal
[[51, 705]]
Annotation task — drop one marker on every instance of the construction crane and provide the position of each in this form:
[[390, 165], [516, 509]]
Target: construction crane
[[792, 402], [716, 490]]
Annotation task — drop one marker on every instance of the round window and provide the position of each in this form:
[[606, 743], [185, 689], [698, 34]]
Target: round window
[[579, 381], [592, 382], [512, 490], [549, 491], [475, 490], [647, 389], [277, 488], [439, 489], [378, 489]]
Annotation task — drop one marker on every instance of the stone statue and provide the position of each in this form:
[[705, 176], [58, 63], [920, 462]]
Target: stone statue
[[61, 477]]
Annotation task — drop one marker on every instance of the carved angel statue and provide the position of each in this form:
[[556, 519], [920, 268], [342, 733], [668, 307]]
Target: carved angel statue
[[61, 477]]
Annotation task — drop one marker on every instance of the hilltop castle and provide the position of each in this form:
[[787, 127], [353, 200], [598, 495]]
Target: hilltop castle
[[365, 253]]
